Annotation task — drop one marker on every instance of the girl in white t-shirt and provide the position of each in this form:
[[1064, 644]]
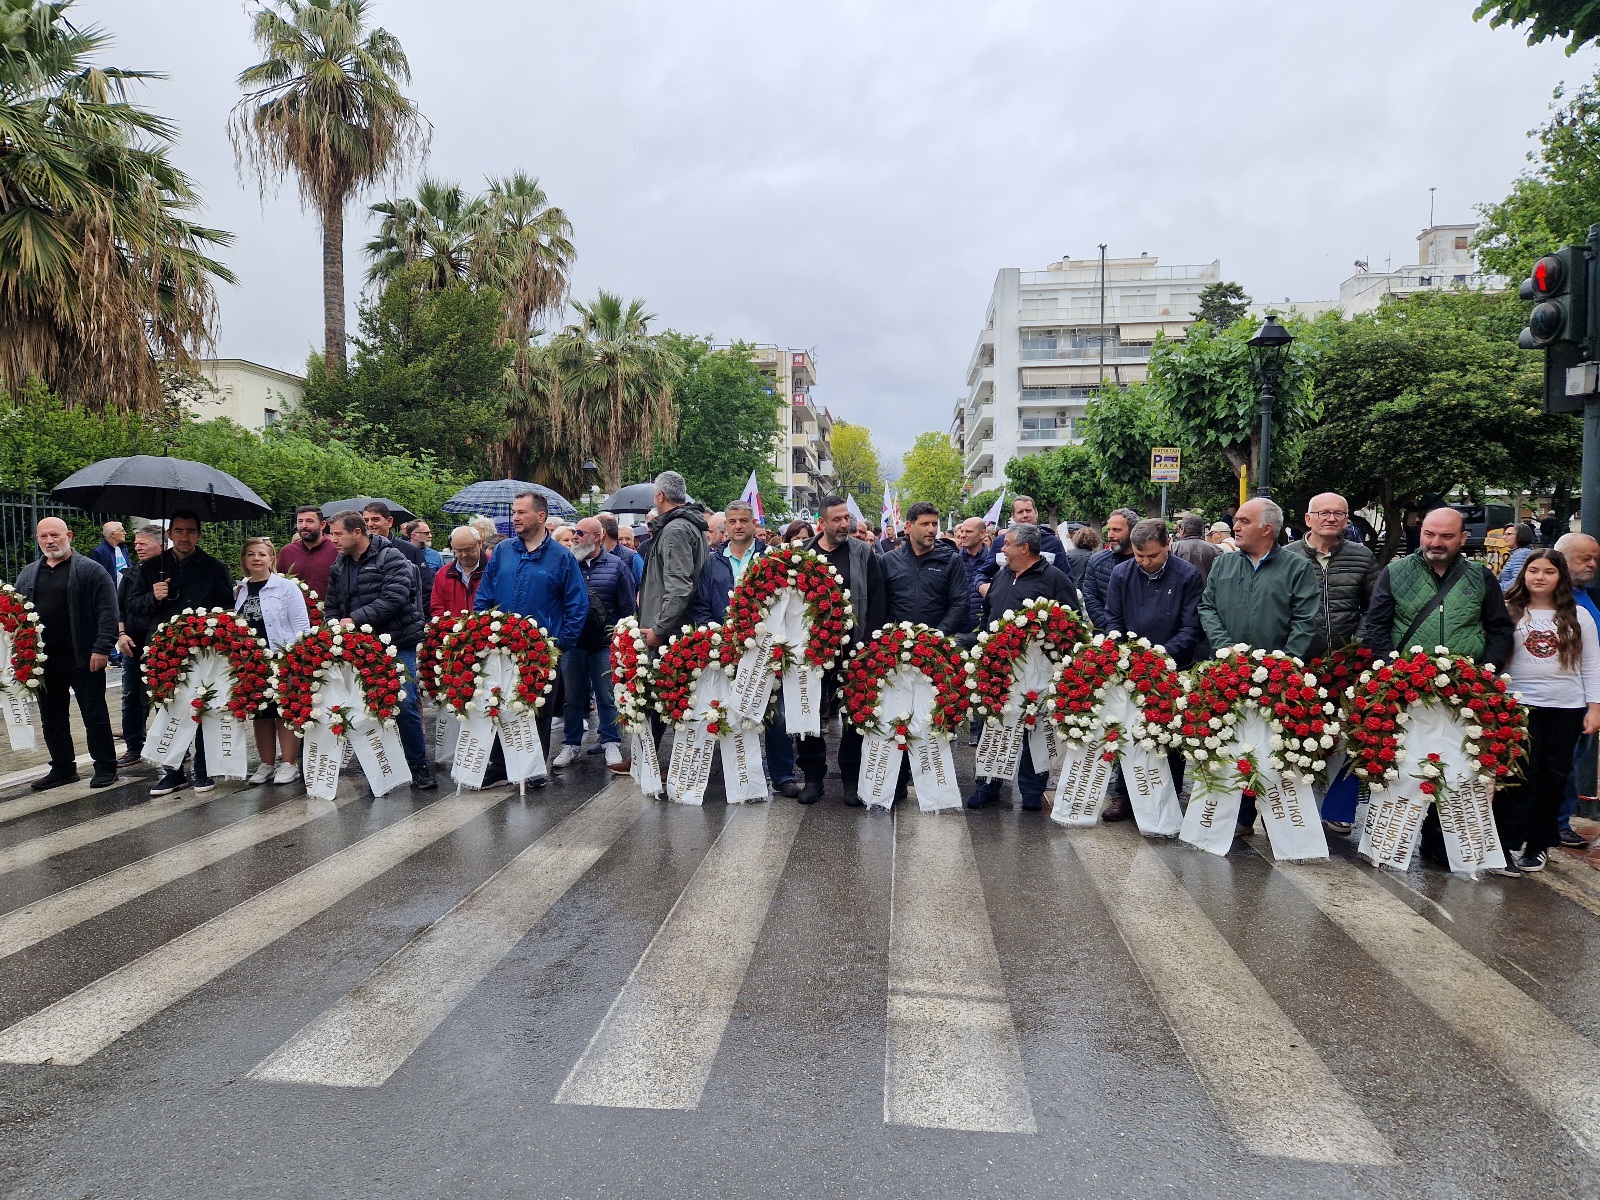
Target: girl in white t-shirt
[[1555, 665]]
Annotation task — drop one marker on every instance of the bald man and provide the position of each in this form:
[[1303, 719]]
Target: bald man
[[77, 605], [1345, 570]]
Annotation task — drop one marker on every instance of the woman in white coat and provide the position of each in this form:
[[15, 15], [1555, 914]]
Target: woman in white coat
[[275, 608]]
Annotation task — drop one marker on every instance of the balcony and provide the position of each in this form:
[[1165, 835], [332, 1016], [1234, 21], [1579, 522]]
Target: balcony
[[798, 440], [981, 426], [982, 353], [1121, 271], [1086, 354]]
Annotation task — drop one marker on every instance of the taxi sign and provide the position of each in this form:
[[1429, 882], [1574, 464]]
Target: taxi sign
[[1164, 464]]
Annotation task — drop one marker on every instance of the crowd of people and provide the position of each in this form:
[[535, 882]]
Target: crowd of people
[[1194, 589]]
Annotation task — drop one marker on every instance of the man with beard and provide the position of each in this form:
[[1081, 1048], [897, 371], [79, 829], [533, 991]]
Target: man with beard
[[1097, 575], [586, 668], [310, 557]]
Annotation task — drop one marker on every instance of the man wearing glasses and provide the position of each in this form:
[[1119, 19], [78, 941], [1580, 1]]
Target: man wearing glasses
[[1346, 571]]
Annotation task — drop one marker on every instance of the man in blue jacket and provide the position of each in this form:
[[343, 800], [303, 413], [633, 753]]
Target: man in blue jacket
[[1023, 512], [724, 568], [535, 576], [1119, 529]]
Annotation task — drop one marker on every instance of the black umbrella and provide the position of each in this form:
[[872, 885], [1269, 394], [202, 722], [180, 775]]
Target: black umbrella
[[635, 498], [356, 503], [147, 485]]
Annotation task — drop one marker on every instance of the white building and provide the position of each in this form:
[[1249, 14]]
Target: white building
[[802, 459], [1444, 259], [247, 393], [1051, 338]]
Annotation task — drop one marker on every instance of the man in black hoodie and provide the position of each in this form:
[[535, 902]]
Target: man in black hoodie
[[184, 576]]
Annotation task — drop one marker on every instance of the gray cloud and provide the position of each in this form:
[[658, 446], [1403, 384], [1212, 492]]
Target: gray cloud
[[849, 176]]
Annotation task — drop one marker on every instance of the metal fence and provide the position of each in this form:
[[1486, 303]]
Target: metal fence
[[21, 512]]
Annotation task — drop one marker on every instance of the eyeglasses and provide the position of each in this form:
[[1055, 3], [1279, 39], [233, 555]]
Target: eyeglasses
[[1328, 512]]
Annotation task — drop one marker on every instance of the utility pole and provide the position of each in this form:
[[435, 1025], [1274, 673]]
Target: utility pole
[[1102, 316]]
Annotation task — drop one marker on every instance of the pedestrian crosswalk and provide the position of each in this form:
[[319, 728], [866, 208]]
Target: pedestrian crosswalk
[[958, 1051]]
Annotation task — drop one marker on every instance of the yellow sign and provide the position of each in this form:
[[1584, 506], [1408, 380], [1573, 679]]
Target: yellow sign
[[1164, 464]]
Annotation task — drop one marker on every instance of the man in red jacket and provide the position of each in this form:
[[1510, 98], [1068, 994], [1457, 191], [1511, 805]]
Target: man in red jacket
[[456, 583]]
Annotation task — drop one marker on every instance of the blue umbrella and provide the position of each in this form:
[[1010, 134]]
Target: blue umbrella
[[492, 498]]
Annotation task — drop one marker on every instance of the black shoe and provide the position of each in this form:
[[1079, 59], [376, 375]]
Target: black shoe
[[53, 780], [1032, 803], [812, 792], [539, 781], [423, 780], [496, 773], [597, 748], [973, 739], [1241, 830], [103, 779], [979, 799], [852, 800], [130, 758], [901, 791], [1530, 861], [788, 788], [204, 783], [1574, 840], [1120, 809], [171, 780], [1510, 870]]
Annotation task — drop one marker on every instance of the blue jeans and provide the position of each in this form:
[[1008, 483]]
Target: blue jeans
[[135, 703], [1569, 805], [410, 720], [585, 672], [1030, 783], [780, 749]]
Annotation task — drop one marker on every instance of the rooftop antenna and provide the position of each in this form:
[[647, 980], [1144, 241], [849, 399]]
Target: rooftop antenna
[[1431, 191]]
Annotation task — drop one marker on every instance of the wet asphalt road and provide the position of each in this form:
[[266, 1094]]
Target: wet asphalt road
[[1089, 1015]]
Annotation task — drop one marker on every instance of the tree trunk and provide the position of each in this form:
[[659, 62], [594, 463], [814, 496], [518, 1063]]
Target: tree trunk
[[1393, 525], [333, 289]]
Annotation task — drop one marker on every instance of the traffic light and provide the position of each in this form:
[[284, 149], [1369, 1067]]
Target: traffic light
[[1559, 287]]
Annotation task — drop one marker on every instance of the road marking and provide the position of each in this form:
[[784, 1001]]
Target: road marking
[[1548, 1059], [952, 1059], [364, 1038], [39, 771], [81, 1025], [657, 1044], [1270, 1086], [1569, 878], [61, 910], [98, 829]]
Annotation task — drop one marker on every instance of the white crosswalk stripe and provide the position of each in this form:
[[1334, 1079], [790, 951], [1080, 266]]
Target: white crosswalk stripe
[[1553, 1063], [90, 1019], [952, 1059], [39, 771], [1270, 1086], [31, 802], [656, 1046], [363, 1039], [45, 918], [98, 829]]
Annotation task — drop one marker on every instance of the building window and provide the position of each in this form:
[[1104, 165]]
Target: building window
[[1046, 429], [1461, 243], [269, 416], [1057, 393]]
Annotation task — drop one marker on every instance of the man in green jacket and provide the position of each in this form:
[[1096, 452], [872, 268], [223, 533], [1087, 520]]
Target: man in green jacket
[[1260, 596]]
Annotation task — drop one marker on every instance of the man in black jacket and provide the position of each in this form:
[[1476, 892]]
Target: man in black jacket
[[135, 632], [1025, 576], [380, 524], [1346, 571], [926, 580], [1097, 575], [374, 583], [77, 607], [184, 576]]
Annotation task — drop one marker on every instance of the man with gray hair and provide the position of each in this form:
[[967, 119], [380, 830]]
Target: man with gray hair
[[677, 552], [1260, 597], [1097, 575], [1191, 544]]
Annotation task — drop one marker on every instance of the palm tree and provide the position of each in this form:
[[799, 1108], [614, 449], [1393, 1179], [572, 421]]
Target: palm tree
[[103, 277], [441, 227], [622, 378], [325, 103]]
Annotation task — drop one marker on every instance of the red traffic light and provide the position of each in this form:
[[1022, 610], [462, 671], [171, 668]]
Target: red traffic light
[[1548, 275]]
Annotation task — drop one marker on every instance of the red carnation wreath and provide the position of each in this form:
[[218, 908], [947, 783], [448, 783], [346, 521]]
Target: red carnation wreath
[[305, 663], [1496, 723], [1077, 693], [1296, 708], [22, 672], [999, 650], [684, 659], [467, 644], [433, 636], [630, 674], [313, 601], [829, 616], [1338, 672], [170, 655], [933, 653]]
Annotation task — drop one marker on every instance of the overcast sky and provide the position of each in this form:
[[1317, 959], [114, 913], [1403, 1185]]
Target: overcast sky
[[848, 175]]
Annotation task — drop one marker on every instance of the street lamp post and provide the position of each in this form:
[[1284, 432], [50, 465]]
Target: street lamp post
[[1268, 349], [591, 494]]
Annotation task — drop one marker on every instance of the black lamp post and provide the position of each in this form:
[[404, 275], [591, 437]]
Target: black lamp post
[[591, 475], [1267, 349]]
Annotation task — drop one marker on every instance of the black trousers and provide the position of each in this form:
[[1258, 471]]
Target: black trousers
[[812, 756], [1529, 809], [54, 713], [135, 702]]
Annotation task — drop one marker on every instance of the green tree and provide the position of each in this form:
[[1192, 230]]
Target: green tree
[[726, 426], [1221, 304], [933, 472], [856, 466], [440, 226], [1120, 428], [325, 104], [1548, 20], [1066, 483], [1428, 394], [103, 276], [618, 378], [427, 375], [1206, 384]]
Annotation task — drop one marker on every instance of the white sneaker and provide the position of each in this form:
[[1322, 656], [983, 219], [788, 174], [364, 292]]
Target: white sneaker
[[286, 773], [568, 756], [262, 773], [613, 753]]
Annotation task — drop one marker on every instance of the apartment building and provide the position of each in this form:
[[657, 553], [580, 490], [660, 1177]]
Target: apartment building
[[1051, 339], [802, 458], [1444, 260]]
